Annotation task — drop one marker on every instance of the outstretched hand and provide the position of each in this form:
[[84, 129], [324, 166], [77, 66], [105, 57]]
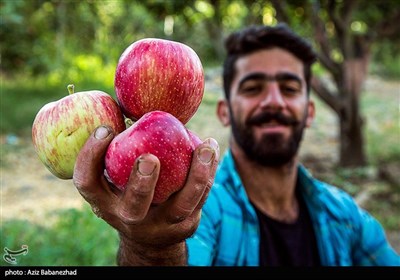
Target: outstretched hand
[[149, 233]]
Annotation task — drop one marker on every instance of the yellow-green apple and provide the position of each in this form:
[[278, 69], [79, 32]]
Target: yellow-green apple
[[162, 135], [157, 74], [61, 128]]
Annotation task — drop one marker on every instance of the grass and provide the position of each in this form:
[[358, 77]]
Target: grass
[[22, 97], [382, 113], [62, 243], [205, 123]]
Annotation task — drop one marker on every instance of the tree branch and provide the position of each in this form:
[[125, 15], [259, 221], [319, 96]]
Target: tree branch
[[280, 9], [325, 94], [329, 64], [389, 27], [341, 23], [323, 41], [347, 9]]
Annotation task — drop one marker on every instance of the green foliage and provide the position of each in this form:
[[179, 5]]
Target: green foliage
[[42, 36], [23, 96], [62, 243], [386, 61], [382, 125], [387, 210], [205, 123]]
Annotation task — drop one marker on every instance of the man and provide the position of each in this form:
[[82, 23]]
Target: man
[[263, 208]]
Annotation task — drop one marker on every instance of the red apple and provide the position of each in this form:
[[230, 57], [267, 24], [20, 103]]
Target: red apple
[[162, 135], [61, 128], [156, 74]]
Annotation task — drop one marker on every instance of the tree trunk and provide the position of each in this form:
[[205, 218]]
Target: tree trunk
[[347, 75], [346, 104], [214, 29], [351, 135], [351, 122]]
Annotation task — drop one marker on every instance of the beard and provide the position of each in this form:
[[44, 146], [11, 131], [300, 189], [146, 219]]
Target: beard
[[271, 150]]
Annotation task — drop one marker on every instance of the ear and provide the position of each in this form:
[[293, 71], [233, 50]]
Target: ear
[[223, 112], [311, 113]]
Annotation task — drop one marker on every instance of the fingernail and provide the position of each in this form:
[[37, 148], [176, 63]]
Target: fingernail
[[213, 143], [146, 168], [206, 155], [101, 132]]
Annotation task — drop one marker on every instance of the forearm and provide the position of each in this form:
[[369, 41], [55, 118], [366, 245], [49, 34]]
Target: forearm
[[130, 254]]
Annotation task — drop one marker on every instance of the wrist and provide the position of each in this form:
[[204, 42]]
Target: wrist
[[131, 253]]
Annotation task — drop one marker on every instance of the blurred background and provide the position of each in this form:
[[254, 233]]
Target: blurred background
[[47, 44]]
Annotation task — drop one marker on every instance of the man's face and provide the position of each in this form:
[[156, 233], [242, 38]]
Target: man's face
[[268, 107]]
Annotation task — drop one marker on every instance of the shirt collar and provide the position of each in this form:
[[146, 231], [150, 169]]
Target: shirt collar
[[227, 172]]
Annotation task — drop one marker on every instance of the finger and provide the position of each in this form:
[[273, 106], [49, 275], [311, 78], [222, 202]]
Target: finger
[[89, 166], [136, 200], [212, 175], [200, 179]]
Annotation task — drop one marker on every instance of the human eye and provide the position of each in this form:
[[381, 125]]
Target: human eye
[[251, 87], [290, 87]]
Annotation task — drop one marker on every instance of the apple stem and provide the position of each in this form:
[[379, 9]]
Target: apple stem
[[128, 122], [70, 89]]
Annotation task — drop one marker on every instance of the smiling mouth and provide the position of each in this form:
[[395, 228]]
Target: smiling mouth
[[270, 124], [271, 119], [272, 127]]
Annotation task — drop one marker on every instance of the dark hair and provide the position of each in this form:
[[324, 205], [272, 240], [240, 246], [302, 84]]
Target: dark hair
[[258, 37]]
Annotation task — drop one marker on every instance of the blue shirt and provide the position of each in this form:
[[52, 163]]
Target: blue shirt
[[228, 233]]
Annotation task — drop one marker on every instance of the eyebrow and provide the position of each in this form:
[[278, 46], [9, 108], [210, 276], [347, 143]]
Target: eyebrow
[[285, 76]]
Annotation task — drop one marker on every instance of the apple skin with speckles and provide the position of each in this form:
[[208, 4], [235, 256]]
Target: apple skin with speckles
[[61, 128], [162, 135], [156, 74]]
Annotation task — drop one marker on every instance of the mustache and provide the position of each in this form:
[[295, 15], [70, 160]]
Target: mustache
[[271, 116]]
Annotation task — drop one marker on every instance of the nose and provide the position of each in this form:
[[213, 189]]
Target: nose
[[273, 99]]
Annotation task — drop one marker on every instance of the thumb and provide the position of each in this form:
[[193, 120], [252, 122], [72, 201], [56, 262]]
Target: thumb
[[89, 166]]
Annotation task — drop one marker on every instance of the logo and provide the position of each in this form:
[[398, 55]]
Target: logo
[[10, 255]]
